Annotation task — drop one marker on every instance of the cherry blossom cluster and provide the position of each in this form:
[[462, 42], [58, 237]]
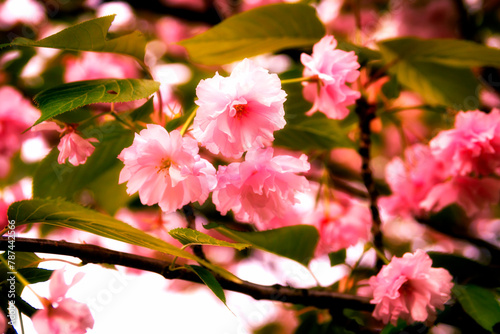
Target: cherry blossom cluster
[[460, 165], [236, 115]]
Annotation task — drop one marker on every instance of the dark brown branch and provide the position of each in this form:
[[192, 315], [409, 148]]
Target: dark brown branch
[[95, 254], [366, 113]]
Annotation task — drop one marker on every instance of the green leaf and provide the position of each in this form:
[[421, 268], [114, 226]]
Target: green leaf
[[90, 36], [36, 275], [364, 54], [439, 69], [337, 257], [66, 97], [98, 175], [314, 132], [57, 212], [479, 303], [264, 29], [107, 193], [450, 52], [439, 84], [143, 112], [210, 281], [297, 242], [190, 236]]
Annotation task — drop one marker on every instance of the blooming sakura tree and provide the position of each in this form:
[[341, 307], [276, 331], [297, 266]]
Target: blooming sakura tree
[[222, 134]]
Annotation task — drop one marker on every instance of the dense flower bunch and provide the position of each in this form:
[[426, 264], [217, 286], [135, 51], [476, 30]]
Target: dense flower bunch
[[459, 166]]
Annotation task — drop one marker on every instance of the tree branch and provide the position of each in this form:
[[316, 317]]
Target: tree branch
[[94, 254], [366, 113]]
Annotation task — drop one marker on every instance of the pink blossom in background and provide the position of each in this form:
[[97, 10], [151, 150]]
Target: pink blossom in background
[[333, 68], [3, 322], [198, 5], [426, 19], [409, 288], [470, 193], [239, 112], [28, 12], [251, 4], [487, 229], [172, 30], [16, 115], [75, 149], [62, 315], [124, 19], [3, 214], [342, 224], [261, 187], [166, 169], [15, 192], [473, 146], [411, 180], [99, 65]]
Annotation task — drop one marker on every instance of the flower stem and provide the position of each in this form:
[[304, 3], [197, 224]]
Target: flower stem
[[188, 122], [294, 80]]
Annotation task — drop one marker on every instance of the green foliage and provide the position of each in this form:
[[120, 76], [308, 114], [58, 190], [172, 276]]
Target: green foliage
[[337, 257], [143, 113], [57, 212], [313, 132], [301, 240], [90, 36], [190, 236], [364, 54], [210, 281], [438, 69], [264, 29], [99, 174], [57, 100], [482, 305], [449, 52]]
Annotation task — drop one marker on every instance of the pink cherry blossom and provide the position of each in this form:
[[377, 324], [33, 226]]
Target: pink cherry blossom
[[473, 146], [333, 69], [3, 322], [62, 315], [261, 187], [411, 180], [239, 112], [21, 11], [72, 146], [75, 149], [344, 223], [16, 115], [166, 169], [99, 65], [409, 288], [3, 214], [471, 193]]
